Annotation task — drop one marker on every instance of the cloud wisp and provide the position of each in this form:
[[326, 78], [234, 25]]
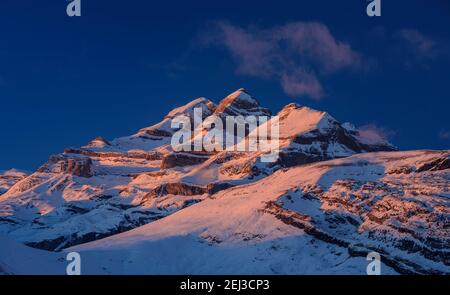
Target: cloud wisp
[[297, 54], [444, 134], [420, 45], [415, 48], [374, 134]]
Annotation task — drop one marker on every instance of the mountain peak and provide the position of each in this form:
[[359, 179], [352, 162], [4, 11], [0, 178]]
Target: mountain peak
[[10, 177], [163, 128], [296, 119], [98, 142], [241, 102], [188, 108], [242, 94]]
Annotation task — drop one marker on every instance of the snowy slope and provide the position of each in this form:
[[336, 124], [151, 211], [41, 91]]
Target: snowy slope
[[318, 218]]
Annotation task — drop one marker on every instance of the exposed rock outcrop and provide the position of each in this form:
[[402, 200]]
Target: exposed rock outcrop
[[81, 166], [182, 159]]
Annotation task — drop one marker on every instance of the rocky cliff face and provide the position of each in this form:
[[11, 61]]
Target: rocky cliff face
[[77, 165], [111, 186]]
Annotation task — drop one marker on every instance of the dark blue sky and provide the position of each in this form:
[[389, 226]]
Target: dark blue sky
[[123, 65]]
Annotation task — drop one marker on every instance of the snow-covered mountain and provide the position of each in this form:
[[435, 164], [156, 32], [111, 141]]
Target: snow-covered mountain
[[332, 196]]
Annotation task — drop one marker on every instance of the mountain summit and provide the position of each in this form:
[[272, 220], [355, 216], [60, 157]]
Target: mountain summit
[[241, 103]]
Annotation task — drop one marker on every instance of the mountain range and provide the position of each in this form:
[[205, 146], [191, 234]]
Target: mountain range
[[133, 205]]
